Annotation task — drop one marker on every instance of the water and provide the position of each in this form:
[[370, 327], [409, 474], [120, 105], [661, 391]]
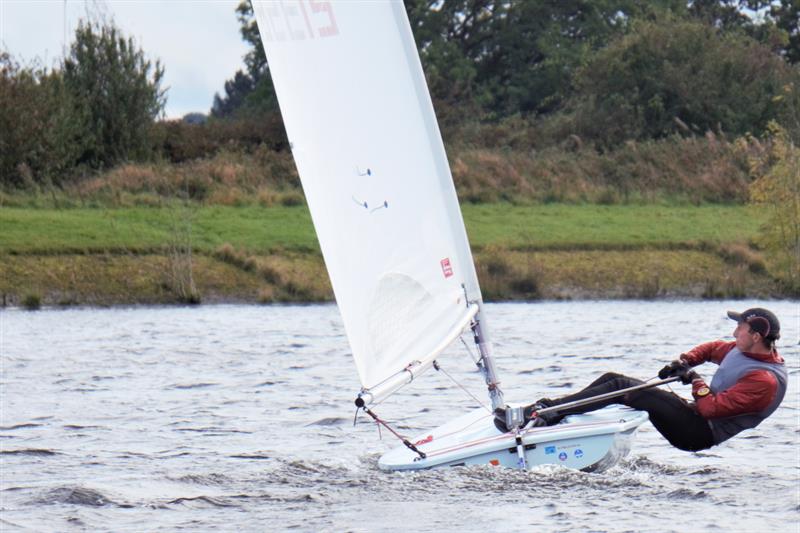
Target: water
[[241, 418]]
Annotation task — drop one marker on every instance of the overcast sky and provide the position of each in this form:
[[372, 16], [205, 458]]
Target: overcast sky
[[197, 41]]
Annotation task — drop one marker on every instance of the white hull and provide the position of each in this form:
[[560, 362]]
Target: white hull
[[591, 442]]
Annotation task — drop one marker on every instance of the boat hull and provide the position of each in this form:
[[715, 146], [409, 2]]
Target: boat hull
[[590, 442]]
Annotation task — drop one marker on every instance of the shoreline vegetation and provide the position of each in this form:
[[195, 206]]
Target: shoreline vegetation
[[620, 150], [190, 253]]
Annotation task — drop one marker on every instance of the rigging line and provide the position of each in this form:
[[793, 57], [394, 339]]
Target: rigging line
[[396, 434], [437, 366], [463, 428], [470, 352]]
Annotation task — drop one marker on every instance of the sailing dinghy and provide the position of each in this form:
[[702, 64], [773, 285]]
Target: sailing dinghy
[[371, 160]]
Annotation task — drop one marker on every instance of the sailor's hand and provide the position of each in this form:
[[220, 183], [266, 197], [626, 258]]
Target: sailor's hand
[[687, 375], [675, 368]]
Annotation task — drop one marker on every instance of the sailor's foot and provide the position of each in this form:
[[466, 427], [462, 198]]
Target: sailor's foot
[[530, 415], [540, 421], [531, 412], [500, 420], [545, 402]]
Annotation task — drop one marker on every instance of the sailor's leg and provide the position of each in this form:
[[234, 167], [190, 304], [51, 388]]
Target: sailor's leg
[[674, 418], [608, 382], [671, 415]]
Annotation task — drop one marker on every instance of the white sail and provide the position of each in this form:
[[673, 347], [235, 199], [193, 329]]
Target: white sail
[[373, 167]]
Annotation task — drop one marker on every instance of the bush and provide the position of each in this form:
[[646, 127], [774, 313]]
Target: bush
[[292, 198], [31, 301], [677, 76], [698, 169], [738, 254], [41, 126], [776, 190], [178, 141], [95, 112], [119, 92]]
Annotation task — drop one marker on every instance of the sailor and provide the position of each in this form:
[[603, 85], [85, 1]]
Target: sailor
[[748, 387]]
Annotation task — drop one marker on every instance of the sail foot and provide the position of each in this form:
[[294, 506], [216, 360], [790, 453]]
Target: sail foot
[[415, 367]]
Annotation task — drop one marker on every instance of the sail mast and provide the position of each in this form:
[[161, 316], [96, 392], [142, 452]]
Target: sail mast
[[488, 368], [471, 286]]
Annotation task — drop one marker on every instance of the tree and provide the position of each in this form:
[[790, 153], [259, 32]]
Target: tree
[[786, 15], [256, 59], [120, 91], [673, 75], [236, 92], [515, 56], [727, 14], [41, 124], [482, 58], [776, 190], [492, 59], [248, 93]]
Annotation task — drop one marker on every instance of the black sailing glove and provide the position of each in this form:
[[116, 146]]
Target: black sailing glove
[[687, 375], [675, 368]]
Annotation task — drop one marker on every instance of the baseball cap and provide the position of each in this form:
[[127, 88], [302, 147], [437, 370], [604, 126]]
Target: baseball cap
[[761, 321]]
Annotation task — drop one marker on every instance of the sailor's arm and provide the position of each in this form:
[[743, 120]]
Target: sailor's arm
[[751, 394], [714, 351]]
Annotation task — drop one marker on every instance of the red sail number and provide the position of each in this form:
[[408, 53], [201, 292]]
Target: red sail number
[[297, 20]]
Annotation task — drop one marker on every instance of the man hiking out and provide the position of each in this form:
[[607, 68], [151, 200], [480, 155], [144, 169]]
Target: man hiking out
[[748, 386]]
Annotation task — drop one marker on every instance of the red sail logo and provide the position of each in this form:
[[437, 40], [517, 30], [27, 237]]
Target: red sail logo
[[447, 268]]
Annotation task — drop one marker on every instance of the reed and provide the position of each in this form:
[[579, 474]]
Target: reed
[[181, 280]]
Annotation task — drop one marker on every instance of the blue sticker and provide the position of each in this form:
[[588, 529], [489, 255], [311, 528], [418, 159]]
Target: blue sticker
[[549, 450], [579, 453], [563, 456]]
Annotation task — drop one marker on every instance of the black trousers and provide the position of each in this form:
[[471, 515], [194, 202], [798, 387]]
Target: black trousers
[[671, 415]]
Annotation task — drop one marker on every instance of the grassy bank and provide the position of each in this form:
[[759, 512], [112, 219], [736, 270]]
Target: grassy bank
[[262, 230], [147, 229], [507, 162], [114, 279], [260, 254]]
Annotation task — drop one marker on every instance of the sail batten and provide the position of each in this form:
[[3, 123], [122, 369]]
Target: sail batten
[[373, 168]]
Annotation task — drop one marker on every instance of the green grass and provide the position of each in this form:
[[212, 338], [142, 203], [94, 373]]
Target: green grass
[[260, 229], [140, 228], [546, 251], [596, 226]]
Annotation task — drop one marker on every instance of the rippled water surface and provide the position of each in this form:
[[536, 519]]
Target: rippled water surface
[[241, 418]]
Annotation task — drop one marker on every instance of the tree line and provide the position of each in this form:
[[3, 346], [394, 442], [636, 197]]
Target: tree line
[[597, 72], [648, 69]]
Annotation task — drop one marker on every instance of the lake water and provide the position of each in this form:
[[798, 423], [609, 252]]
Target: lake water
[[241, 418]]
